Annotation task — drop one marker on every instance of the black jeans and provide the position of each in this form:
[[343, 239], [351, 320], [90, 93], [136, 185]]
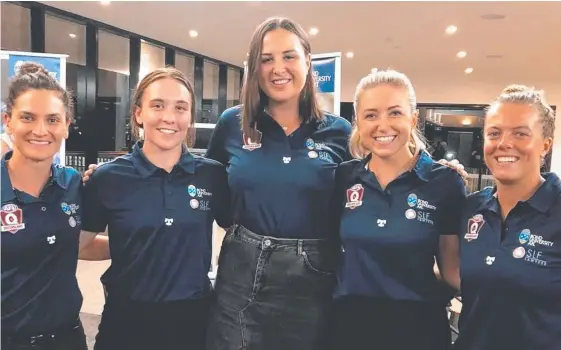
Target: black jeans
[[365, 323], [65, 338], [171, 325], [271, 294]]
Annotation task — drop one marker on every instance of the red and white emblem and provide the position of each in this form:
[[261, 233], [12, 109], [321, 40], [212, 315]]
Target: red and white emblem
[[474, 226], [12, 218], [249, 145], [354, 196]]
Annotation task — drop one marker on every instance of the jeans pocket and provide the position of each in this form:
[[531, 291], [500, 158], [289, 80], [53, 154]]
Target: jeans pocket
[[319, 263]]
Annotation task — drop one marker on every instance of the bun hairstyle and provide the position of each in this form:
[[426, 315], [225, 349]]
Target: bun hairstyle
[[33, 76], [524, 95]]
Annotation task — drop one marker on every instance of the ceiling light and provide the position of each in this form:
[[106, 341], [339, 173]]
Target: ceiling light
[[72, 35], [193, 33], [451, 30], [492, 16], [350, 54], [468, 70], [461, 54], [314, 31], [466, 121], [105, 3]]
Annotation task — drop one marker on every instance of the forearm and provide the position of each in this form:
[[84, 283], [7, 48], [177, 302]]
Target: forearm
[[96, 249]]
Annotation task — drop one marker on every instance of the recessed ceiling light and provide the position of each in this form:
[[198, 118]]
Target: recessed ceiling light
[[461, 54], [105, 2], [492, 16], [313, 31], [72, 35], [193, 33], [468, 70], [451, 30], [350, 54]]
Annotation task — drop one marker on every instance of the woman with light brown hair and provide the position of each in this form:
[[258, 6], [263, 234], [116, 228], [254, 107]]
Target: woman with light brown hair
[[158, 203], [511, 233], [276, 266]]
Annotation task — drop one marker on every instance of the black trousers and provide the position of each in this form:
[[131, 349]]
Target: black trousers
[[65, 338], [271, 294], [364, 323], [153, 326]]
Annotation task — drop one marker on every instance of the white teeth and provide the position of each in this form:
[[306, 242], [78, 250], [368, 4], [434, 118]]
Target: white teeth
[[507, 159], [167, 131], [385, 138], [43, 143], [280, 81]]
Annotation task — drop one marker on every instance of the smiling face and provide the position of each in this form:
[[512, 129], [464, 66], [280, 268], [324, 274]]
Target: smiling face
[[514, 142], [385, 120], [165, 113], [283, 66], [38, 124]]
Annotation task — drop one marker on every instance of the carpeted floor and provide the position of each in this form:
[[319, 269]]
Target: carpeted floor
[[90, 323]]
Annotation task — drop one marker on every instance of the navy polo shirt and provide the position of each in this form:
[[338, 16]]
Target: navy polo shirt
[[159, 224], [511, 272], [282, 186], [40, 253], [390, 237]]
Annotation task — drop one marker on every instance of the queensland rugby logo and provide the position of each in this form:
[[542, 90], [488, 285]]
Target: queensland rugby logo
[[354, 196], [474, 226]]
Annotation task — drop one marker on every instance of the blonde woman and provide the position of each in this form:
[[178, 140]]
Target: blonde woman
[[399, 210]]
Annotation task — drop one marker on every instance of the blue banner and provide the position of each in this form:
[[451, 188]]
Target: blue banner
[[323, 71], [51, 64]]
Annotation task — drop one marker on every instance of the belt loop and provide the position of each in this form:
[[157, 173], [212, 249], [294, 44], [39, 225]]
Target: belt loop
[[300, 249]]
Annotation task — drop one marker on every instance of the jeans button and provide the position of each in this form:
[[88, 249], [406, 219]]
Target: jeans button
[[267, 242]]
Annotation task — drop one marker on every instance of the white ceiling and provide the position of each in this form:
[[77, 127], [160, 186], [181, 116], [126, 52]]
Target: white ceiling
[[408, 36]]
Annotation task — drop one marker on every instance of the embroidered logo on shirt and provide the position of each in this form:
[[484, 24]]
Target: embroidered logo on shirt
[[414, 202], [490, 260], [527, 237], [310, 144], [354, 196], [51, 239], [250, 145], [194, 203], [168, 221], [381, 223], [197, 192], [519, 252], [410, 214], [12, 218], [313, 154], [69, 209], [72, 222], [474, 226], [286, 160]]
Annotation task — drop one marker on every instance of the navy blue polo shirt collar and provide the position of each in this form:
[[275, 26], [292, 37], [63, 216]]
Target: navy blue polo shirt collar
[[146, 168], [8, 194], [423, 167], [265, 123], [542, 200]]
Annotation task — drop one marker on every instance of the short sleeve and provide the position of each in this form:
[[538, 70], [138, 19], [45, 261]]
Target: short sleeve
[[221, 205], [216, 149], [94, 213], [452, 207]]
